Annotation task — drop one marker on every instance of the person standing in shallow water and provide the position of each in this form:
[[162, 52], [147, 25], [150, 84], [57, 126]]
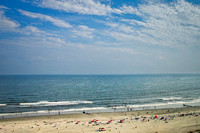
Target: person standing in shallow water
[[49, 111]]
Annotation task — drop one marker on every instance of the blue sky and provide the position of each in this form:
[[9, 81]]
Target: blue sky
[[99, 36]]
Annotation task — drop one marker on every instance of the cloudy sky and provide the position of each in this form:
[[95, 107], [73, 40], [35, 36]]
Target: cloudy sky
[[99, 36]]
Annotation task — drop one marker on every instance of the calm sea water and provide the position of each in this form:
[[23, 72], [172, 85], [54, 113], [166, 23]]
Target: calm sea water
[[69, 93]]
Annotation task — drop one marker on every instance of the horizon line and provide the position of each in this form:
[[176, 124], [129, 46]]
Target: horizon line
[[101, 74]]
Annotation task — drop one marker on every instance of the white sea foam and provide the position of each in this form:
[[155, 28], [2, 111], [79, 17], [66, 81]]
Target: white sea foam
[[171, 98], [46, 103], [3, 104], [54, 112], [94, 109], [68, 110], [166, 104], [86, 109], [120, 107], [157, 98], [194, 101]]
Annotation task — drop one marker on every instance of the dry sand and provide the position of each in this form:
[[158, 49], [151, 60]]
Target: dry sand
[[175, 123]]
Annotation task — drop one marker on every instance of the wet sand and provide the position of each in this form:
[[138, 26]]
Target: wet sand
[[180, 120]]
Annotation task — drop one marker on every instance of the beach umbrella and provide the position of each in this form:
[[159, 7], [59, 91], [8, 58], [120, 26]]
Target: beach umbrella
[[121, 121]]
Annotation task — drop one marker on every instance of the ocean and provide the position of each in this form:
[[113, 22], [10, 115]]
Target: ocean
[[22, 95]]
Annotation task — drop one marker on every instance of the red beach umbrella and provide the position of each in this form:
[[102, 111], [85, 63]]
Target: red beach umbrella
[[121, 121]]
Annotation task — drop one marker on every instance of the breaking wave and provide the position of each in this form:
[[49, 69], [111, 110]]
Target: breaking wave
[[60, 103], [166, 104], [3, 105], [171, 98]]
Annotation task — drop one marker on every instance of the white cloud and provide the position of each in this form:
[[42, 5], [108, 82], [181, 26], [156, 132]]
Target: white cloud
[[36, 41], [41, 37], [56, 40], [106, 49], [55, 21], [3, 7], [130, 10], [31, 30], [33, 33], [91, 7], [134, 22], [120, 27], [173, 24], [168, 24], [83, 31], [7, 24], [112, 25], [118, 35]]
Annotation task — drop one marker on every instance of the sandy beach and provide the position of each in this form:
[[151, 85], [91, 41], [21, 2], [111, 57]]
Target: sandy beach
[[181, 120]]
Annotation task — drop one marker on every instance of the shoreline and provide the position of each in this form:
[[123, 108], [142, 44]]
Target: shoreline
[[78, 111], [138, 121], [89, 110], [159, 111]]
